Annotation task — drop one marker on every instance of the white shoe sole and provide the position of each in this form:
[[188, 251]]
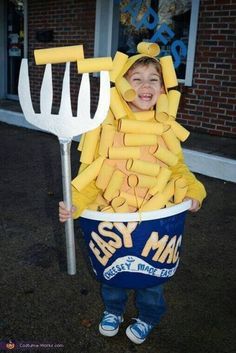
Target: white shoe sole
[[132, 337], [108, 333]]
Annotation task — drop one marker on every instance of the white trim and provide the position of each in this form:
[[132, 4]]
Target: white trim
[[137, 216], [198, 162], [211, 165], [192, 39], [25, 29], [105, 33], [103, 28]]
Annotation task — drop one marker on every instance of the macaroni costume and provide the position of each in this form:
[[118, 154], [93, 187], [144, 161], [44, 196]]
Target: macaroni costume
[[134, 161]]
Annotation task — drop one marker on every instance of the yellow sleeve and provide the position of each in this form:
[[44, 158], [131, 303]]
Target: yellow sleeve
[[81, 199], [196, 189]]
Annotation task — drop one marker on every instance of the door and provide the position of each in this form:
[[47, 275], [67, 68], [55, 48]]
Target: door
[[15, 44]]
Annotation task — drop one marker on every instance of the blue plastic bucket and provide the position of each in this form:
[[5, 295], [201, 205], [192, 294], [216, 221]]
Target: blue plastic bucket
[[134, 250]]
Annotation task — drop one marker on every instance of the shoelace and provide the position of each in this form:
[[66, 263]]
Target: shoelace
[[110, 318], [143, 326]]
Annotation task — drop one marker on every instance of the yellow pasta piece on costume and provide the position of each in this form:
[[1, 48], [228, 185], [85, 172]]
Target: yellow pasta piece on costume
[[173, 102], [119, 204], [140, 139], [143, 167], [162, 180], [124, 152], [125, 89], [106, 140], [90, 145], [58, 55], [171, 140], [114, 185], [166, 156], [88, 175], [116, 104], [179, 130], [148, 48], [94, 65], [118, 64], [104, 175], [146, 127], [168, 72]]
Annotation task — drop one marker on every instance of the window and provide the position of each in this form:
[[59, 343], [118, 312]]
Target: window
[[170, 23]]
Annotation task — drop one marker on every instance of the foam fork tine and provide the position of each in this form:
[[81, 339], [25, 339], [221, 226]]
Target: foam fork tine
[[46, 92]]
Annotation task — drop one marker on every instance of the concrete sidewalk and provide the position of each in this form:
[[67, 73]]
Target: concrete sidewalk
[[41, 303]]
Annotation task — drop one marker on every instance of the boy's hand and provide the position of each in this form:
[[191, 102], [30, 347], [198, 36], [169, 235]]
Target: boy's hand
[[64, 213], [195, 204]]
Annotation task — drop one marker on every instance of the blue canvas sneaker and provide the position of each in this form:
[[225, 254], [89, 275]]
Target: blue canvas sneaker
[[138, 331], [109, 326]]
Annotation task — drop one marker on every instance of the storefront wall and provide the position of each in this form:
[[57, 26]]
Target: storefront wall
[[208, 103]]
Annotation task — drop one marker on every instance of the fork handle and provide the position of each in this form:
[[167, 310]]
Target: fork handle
[[65, 146]]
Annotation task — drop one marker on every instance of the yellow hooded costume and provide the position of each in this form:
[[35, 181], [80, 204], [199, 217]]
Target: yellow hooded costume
[[134, 161]]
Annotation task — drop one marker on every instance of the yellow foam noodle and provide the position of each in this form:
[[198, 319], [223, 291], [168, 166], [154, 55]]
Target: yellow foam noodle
[[118, 64], [109, 118], [162, 104], [162, 180], [88, 175], [173, 99], [144, 116], [140, 139], [93, 206], [162, 117], [157, 202], [100, 200], [119, 204], [116, 105], [179, 130], [90, 145], [94, 65], [181, 189], [148, 48], [107, 209], [146, 127], [166, 156], [170, 204], [106, 140], [131, 199], [125, 89], [143, 167], [124, 152], [146, 181], [171, 140], [104, 175], [168, 72], [58, 55], [81, 143], [114, 185], [132, 180], [169, 189]]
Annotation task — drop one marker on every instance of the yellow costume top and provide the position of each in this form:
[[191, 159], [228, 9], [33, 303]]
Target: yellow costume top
[[134, 161]]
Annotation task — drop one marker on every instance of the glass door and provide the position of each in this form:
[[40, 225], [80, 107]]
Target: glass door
[[15, 44]]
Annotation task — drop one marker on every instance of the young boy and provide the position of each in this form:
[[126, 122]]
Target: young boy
[[145, 77]]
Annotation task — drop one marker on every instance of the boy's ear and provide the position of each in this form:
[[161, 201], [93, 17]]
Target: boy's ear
[[163, 89]]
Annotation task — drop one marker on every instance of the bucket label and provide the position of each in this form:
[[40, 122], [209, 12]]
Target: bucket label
[[135, 264]]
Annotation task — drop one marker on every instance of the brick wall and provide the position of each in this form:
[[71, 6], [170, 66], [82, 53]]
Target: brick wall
[[73, 23], [209, 106]]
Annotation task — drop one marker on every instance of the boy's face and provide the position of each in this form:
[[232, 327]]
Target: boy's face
[[147, 84]]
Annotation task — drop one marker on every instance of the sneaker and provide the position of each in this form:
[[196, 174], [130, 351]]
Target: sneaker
[[138, 331], [109, 326]]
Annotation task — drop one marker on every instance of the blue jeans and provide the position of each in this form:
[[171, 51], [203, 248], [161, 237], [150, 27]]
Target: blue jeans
[[149, 302]]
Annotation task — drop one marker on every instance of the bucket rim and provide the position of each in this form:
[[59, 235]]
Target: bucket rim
[[137, 216]]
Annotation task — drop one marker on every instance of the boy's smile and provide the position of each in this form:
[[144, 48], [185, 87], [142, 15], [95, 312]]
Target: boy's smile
[[147, 84]]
